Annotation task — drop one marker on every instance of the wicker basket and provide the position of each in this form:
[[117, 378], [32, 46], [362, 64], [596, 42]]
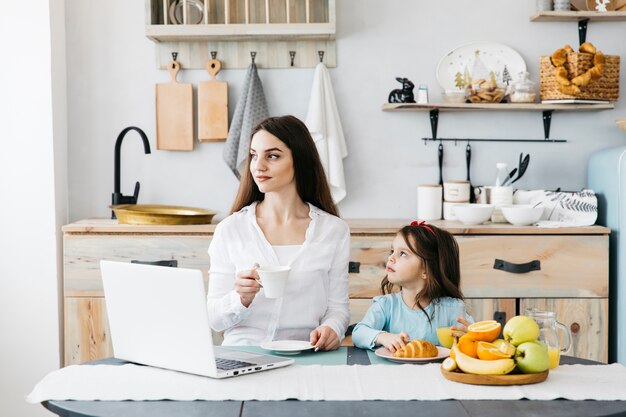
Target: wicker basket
[[605, 88]]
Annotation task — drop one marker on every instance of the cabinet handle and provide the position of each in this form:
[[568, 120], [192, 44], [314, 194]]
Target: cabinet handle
[[354, 267], [574, 327], [167, 262], [517, 268]]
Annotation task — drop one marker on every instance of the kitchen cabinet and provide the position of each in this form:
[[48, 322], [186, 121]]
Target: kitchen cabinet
[[572, 281], [232, 28]]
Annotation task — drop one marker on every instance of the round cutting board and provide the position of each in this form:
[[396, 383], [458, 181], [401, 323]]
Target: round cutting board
[[510, 379]]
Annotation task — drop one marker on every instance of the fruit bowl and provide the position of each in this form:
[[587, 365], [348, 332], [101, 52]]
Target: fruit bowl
[[509, 379]]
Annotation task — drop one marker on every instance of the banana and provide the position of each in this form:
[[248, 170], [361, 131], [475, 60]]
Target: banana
[[471, 365]]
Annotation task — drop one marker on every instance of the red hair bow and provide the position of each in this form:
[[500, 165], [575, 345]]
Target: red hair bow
[[422, 224]]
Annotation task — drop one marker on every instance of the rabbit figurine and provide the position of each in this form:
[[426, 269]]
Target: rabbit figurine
[[403, 95]]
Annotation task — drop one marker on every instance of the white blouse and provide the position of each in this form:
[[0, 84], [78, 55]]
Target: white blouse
[[317, 288]]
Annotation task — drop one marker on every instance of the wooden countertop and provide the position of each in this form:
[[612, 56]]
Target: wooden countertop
[[357, 227]]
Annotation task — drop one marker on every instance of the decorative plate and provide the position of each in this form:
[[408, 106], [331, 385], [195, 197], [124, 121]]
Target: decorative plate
[[504, 61], [510, 379], [385, 353], [288, 347]]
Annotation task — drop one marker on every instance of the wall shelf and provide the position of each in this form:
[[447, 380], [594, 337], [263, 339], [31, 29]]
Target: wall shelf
[[274, 29], [545, 109], [572, 16]]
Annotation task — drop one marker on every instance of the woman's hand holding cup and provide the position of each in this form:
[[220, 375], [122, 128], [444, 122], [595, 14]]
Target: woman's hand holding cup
[[247, 285]]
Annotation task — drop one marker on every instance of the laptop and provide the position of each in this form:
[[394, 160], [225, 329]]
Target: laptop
[[158, 316]]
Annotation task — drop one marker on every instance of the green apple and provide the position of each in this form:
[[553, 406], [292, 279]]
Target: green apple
[[532, 358], [520, 329]]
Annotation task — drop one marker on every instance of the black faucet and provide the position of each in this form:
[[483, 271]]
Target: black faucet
[[117, 197]]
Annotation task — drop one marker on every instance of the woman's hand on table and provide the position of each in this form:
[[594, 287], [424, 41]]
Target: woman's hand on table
[[247, 285], [392, 341], [325, 338]]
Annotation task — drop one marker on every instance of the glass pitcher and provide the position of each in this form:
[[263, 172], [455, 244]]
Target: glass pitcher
[[548, 334]]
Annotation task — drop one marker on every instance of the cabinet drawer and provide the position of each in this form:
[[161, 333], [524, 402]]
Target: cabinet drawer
[[571, 266], [82, 255], [86, 330]]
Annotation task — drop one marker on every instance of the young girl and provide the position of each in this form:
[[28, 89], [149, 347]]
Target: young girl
[[424, 264]]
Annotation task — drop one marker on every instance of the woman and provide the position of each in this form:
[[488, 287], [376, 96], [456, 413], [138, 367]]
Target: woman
[[283, 215]]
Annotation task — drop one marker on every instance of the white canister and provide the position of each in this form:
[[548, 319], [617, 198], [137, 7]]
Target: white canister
[[429, 201], [456, 191], [500, 196], [562, 5], [448, 209]]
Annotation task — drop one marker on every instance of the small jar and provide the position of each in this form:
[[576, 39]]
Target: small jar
[[523, 90], [562, 5], [544, 5], [422, 94]]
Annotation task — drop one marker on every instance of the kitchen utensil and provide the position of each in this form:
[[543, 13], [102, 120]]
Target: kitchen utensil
[[468, 160], [509, 177], [213, 106], [523, 165], [460, 60], [440, 153], [174, 113]]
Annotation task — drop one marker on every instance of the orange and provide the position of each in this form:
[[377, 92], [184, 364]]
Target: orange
[[484, 331], [489, 352], [468, 345]]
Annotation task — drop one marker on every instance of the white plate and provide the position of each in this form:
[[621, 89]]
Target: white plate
[[494, 55], [385, 353], [195, 12], [288, 347]]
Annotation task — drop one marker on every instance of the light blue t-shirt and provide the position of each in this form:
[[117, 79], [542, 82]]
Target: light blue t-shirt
[[389, 313]]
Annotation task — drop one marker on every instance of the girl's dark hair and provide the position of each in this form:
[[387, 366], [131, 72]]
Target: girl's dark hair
[[439, 253], [311, 182]]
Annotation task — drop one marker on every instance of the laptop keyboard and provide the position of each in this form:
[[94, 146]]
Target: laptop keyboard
[[228, 364]]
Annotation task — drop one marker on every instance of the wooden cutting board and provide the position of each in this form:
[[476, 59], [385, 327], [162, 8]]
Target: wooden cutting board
[[174, 113], [213, 106]]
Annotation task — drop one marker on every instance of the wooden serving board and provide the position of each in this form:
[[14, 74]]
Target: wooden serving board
[[174, 113], [510, 379], [213, 106]]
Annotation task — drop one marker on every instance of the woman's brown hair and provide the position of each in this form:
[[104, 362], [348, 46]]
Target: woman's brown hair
[[439, 253], [311, 181]]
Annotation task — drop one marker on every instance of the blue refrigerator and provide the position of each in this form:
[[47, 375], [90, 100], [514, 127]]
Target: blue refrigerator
[[607, 177]]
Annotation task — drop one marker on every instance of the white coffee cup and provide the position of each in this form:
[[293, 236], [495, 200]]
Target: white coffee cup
[[274, 280], [456, 191]]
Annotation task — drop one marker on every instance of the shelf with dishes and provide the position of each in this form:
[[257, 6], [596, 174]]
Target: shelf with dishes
[[283, 33]]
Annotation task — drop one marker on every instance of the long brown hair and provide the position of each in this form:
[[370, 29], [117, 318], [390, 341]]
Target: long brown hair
[[439, 253], [311, 183]]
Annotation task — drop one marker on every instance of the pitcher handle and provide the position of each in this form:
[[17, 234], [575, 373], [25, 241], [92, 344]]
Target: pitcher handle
[[567, 336]]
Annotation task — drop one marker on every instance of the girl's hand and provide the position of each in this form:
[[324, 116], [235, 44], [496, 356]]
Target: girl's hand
[[247, 285], [462, 325], [392, 341], [324, 338]]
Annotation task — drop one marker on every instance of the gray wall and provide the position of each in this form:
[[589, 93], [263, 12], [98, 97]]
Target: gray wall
[[111, 75]]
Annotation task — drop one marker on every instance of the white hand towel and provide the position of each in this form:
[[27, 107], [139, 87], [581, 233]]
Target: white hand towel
[[325, 126], [251, 109]]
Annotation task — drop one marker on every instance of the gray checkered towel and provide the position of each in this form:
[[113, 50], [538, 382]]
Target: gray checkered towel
[[251, 109]]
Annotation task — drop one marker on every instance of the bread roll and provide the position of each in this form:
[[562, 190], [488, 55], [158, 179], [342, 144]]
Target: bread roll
[[417, 349]]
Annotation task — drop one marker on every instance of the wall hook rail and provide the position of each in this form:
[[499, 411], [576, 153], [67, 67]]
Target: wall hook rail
[[321, 55], [252, 56], [292, 56]]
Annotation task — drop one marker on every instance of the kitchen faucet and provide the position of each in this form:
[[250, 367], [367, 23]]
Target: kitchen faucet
[[117, 197]]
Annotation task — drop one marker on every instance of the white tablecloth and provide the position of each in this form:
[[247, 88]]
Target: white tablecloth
[[315, 382]]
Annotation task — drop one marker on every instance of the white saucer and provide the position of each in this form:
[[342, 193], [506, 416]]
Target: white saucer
[[288, 347], [442, 353]]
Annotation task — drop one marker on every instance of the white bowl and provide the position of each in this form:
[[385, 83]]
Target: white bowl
[[473, 213], [522, 214]]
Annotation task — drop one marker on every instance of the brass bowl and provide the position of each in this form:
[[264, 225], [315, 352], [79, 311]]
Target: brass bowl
[[159, 214]]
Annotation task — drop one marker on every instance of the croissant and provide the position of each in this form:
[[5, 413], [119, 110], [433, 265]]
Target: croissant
[[561, 76], [559, 57], [582, 80], [598, 59], [587, 47], [568, 49], [571, 90], [417, 349]]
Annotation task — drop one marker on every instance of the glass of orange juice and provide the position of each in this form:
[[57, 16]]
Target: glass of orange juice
[[554, 353], [444, 334]]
